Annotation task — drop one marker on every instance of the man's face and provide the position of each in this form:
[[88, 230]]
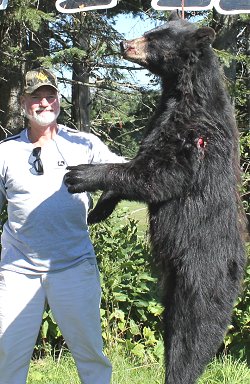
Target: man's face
[[42, 106]]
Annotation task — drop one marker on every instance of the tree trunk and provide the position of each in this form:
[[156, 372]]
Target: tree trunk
[[80, 97], [11, 118], [80, 76]]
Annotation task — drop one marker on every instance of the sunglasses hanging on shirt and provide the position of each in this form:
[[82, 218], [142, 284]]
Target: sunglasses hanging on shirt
[[36, 162]]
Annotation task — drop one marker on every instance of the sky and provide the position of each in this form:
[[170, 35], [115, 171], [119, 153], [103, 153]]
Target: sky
[[130, 28], [133, 27]]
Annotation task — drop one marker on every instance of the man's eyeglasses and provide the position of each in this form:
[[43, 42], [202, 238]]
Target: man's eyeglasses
[[37, 162]]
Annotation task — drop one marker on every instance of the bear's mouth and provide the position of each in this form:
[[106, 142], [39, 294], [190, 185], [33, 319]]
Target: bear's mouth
[[134, 50]]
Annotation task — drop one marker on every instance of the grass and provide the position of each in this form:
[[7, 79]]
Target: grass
[[126, 370], [137, 211], [132, 209]]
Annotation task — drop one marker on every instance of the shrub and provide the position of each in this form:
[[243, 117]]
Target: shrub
[[130, 310], [237, 341]]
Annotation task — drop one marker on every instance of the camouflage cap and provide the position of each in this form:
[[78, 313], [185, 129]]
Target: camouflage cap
[[39, 77]]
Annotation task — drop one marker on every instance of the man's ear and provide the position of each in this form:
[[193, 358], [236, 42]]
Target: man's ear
[[205, 35]]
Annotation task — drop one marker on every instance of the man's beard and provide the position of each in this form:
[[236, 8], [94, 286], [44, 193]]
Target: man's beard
[[43, 118]]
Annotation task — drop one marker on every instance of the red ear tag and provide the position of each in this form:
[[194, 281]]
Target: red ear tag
[[201, 144]]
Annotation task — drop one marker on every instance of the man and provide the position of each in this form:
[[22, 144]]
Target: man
[[46, 250]]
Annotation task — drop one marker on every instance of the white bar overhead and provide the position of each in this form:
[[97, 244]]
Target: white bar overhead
[[73, 6], [227, 7]]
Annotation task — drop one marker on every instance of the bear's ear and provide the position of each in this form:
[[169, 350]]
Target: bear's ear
[[174, 15], [205, 35]]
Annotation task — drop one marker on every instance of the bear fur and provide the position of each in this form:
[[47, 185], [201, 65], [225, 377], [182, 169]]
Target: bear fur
[[187, 171]]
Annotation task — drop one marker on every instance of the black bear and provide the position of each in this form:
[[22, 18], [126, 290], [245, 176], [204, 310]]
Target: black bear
[[187, 171]]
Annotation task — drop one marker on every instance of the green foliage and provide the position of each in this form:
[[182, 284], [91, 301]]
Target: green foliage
[[227, 57], [130, 311], [22, 34], [237, 341], [245, 164], [31, 17], [50, 337], [120, 118], [67, 56]]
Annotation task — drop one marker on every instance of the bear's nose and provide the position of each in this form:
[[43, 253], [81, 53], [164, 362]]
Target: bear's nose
[[127, 46], [123, 46]]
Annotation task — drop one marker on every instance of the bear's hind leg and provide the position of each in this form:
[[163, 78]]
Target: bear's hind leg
[[194, 327]]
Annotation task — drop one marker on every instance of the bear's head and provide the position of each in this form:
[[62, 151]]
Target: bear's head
[[165, 50]]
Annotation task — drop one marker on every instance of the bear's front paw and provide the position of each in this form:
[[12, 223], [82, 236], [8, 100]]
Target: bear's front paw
[[104, 207], [82, 178], [99, 213]]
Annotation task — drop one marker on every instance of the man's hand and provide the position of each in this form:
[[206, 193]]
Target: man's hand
[[85, 177]]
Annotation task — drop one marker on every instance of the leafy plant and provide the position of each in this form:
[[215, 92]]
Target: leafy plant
[[130, 311], [237, 341], [245, 164]]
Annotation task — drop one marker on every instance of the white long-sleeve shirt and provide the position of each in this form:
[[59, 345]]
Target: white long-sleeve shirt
[[47, 227]]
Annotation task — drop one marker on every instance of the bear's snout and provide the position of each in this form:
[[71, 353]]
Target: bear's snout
[[134, 50]]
